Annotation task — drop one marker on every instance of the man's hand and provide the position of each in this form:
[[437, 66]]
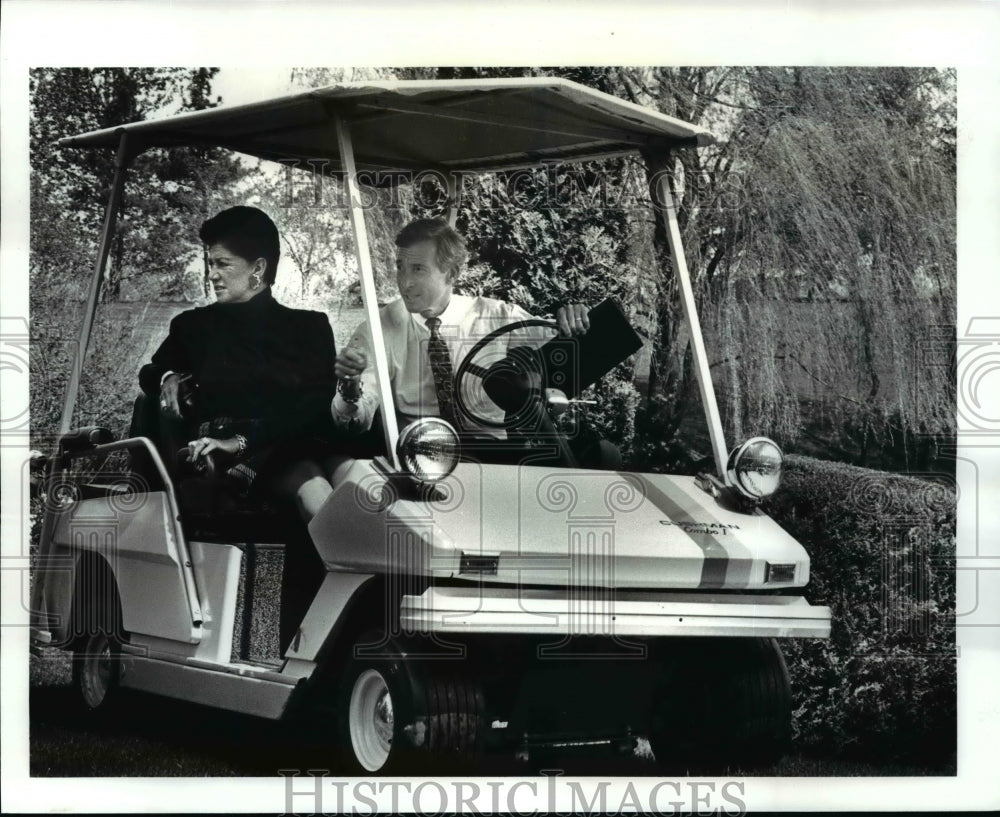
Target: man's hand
[[350, 363], [170, 396], [573, 320]]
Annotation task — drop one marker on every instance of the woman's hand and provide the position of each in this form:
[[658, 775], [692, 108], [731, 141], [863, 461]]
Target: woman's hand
[[203, 446]]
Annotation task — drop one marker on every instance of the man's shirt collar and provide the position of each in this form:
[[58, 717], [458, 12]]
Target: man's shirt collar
[[457, 309]]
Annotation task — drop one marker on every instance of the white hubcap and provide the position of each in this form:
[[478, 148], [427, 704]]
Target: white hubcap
[[370, 720]]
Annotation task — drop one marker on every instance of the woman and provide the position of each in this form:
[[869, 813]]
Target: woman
[[253, 379], [262, 374]]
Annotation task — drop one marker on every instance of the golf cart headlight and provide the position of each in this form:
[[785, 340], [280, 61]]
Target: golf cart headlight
[[754, 468], [428, 449]]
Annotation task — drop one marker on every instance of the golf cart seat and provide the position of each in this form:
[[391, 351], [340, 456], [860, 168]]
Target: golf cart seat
[[216, 510]]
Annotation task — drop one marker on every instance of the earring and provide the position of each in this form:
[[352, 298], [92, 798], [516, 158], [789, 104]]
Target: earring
[[255, 281]]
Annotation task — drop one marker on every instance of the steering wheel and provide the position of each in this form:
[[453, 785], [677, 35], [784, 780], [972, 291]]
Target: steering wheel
[[468, 367]]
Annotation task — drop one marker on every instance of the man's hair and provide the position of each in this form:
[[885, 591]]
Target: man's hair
[[449, 247], [246, 232]]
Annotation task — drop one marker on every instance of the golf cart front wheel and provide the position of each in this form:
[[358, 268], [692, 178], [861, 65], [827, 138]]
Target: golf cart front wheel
[[371, 720], [397, 716], [723, 703], [97, 671]]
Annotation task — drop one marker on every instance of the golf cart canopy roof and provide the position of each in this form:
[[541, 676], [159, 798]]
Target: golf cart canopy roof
[[447, 125]]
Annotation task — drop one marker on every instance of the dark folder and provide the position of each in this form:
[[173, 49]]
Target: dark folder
[[569, 364], [572, 364]]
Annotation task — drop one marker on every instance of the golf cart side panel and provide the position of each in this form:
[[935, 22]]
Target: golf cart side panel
[[217, 572], [140, 548], [249, 693], [325, 614], [544, 526]]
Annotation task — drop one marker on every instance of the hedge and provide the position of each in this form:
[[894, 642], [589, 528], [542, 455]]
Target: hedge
[[882, 548]]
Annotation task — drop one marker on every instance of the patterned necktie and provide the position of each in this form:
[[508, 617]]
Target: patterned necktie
[[444, 382]]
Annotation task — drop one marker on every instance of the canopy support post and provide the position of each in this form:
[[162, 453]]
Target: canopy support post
[[368, 293], [110, 218], [453, 192], [663, 203]]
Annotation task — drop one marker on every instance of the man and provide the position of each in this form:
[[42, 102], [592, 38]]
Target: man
[[427, 332]]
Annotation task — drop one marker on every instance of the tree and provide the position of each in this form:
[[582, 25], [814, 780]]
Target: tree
[[841, 256], [819, 232], [315, 235], [169, 192], [165, 198]]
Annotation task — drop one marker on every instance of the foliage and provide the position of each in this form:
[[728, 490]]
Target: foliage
[[167, 195], [882, 548], [123, 337], [613, 416], [849, 201], [315, 236], [825, 210]]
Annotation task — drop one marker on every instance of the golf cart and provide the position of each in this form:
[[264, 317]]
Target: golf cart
[[468, 606]]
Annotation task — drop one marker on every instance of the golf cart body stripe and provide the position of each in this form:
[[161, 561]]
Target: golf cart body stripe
[[727, 562]]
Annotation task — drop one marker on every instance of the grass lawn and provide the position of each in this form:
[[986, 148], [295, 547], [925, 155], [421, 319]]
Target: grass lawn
[[159, 737]]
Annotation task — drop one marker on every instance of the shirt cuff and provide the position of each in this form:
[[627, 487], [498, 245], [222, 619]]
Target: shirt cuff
[[352, 416], [343, 409], [166, 374]]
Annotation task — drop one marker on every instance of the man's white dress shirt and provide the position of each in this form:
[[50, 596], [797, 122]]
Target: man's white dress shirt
[[464, 321]]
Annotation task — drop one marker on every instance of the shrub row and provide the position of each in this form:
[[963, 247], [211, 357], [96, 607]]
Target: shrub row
[[883, 687]]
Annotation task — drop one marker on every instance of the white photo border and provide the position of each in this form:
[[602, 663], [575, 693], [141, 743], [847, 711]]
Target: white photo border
[[272, 36]]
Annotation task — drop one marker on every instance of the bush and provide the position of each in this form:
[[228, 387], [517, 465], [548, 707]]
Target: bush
[[882, 547], [109, 383], [613, 416]]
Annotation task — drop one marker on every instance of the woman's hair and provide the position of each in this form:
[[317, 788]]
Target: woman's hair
[[246, 232], [449, 247]]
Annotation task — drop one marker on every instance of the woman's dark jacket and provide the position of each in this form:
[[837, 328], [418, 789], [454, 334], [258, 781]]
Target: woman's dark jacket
[[266, 367]]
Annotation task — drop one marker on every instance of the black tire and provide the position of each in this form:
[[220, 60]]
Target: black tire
[[722, 704], [97, 672], [97, 650], [455, 720], [396, 715]]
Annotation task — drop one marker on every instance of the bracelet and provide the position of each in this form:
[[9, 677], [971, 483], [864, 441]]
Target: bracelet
[[350, 389], [242, 441]]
